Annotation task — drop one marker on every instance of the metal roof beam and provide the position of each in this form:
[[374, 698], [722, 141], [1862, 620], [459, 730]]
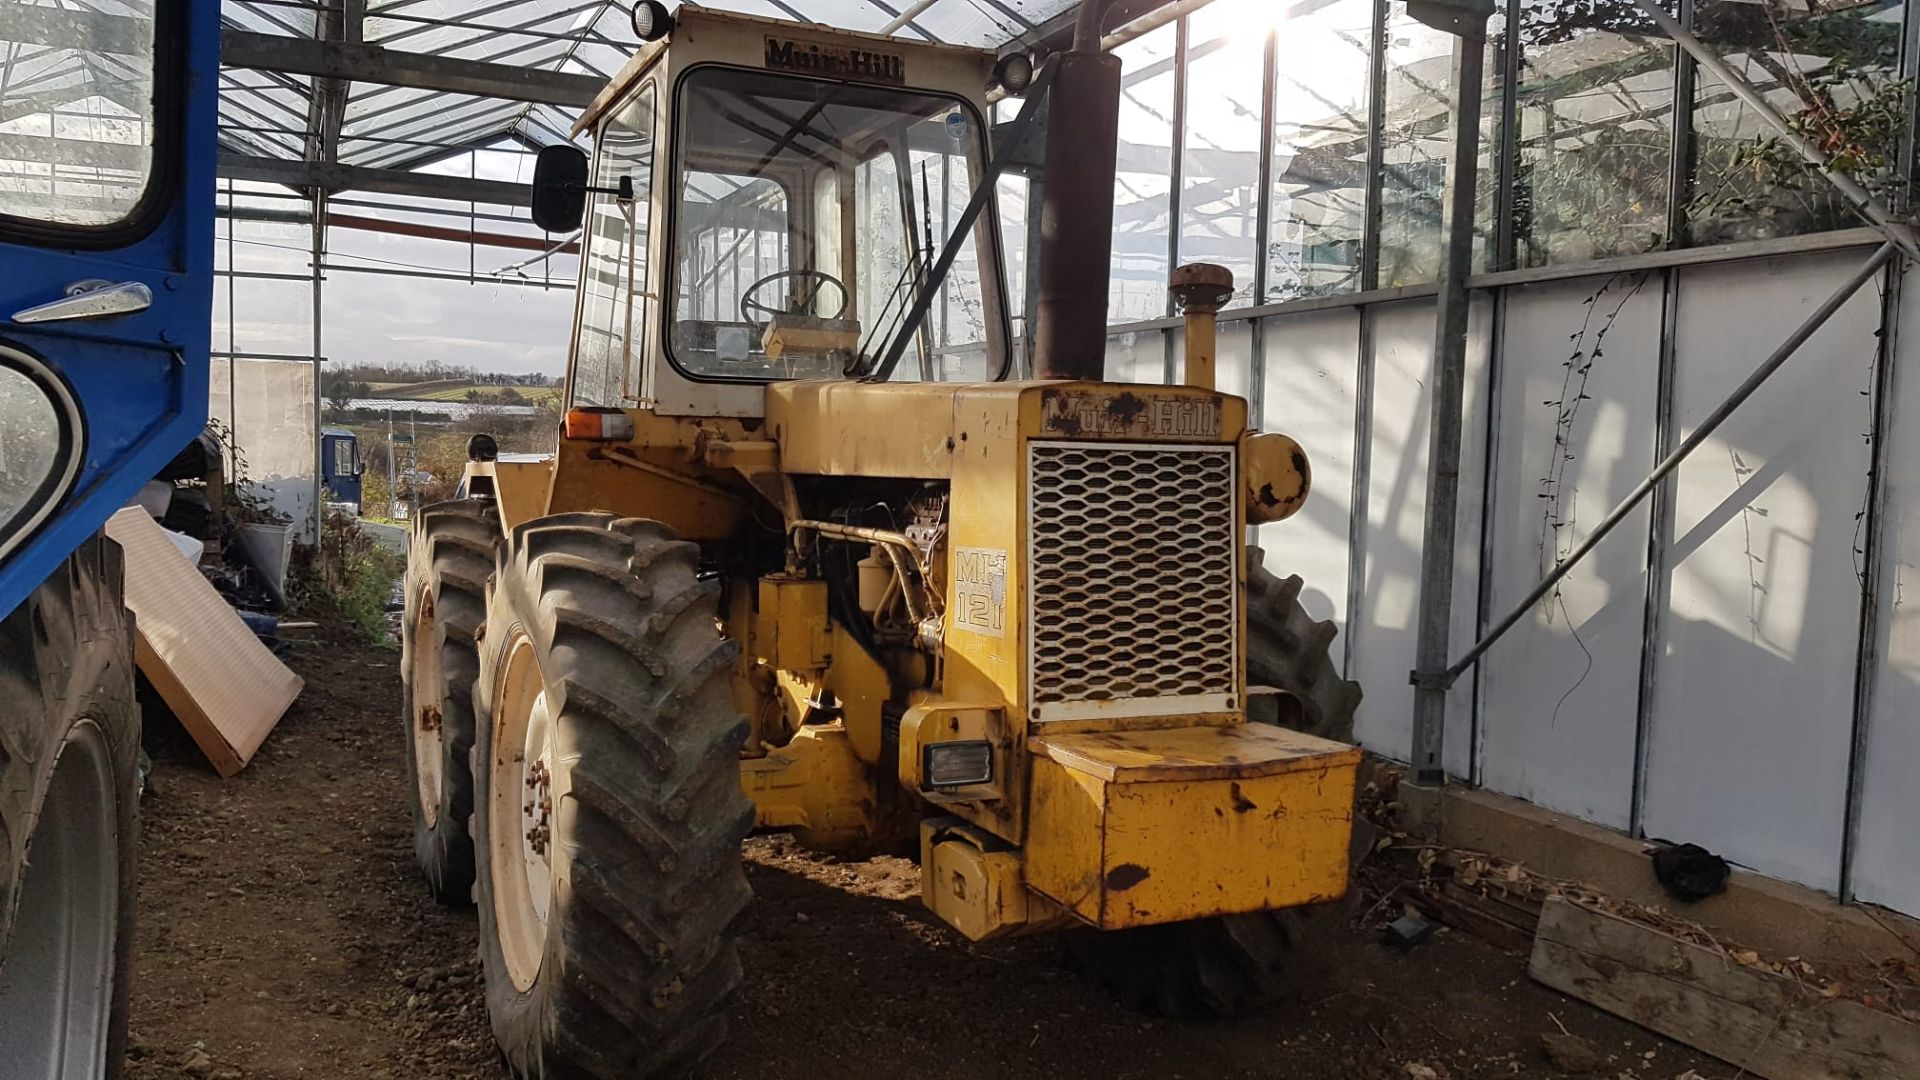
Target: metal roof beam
[[334, 177], [130, 159], [1056, 33], [392, 67], [93, 31]]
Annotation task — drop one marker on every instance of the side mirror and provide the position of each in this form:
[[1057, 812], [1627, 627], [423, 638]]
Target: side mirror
[[360, 469], [560, 188]]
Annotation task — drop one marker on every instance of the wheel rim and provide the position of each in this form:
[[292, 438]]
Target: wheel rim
[[523, 793], [56, 991], [429, 749]]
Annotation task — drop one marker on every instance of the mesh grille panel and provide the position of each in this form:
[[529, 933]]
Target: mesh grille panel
[[1130, 581]]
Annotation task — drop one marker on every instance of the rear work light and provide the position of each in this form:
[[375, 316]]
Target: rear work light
[[598, 425], [960, 763]]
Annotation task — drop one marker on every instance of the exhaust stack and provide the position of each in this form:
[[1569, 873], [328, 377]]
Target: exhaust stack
[[1076, 207]]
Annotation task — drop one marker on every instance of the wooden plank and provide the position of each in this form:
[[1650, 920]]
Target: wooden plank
[[1768, 1025], [1482, 916], [226, 688]]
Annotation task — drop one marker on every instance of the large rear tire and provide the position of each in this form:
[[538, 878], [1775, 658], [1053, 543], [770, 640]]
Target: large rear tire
[[447, 568], [69, 750], [1289, 650], [608, 812], [1235, 964]]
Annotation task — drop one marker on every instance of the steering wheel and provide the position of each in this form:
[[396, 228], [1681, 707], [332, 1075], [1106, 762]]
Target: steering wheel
[[800, 300]]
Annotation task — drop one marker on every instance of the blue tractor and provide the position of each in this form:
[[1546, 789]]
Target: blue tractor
[[341, 465], [106, 281]]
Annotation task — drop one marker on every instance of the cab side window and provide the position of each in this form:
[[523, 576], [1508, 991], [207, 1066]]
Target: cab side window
[[605, 364]]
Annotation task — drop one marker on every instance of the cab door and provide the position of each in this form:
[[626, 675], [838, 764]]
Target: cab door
[[107, 154]]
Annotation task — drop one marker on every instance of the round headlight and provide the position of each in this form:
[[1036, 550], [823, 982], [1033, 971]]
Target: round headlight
[[1014, 72], [651, 20]]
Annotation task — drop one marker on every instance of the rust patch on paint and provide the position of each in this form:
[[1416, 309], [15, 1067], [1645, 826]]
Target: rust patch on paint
[[1126, 876], [1241, 804]]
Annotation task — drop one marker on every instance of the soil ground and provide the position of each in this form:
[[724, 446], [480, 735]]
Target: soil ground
[[283, 933]]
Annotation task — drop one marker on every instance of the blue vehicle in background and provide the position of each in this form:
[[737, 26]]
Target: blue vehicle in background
[[340, 463], [106, 272]]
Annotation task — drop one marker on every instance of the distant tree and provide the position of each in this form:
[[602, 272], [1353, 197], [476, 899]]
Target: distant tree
[[340, 387]]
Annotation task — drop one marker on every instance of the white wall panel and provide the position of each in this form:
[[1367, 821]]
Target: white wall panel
[[1578, 394], [1886, 867], [1312, 367], [1137, 357], [1754, 684], [1384, 628], [272, 427]]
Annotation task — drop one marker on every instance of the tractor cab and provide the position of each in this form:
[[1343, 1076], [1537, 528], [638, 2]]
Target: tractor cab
[[766, 204]]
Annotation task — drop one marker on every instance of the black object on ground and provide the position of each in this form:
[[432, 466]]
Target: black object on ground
[[1408, 931], [1690, 872]]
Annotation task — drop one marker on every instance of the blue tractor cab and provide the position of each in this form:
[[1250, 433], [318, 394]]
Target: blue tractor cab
[[106, 290], [340, 463]]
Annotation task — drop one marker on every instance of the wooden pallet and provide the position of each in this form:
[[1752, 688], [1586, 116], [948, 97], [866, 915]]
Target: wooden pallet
[[1768, 1025]]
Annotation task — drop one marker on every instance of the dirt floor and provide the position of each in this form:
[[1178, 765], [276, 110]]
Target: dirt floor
[[284, 933]]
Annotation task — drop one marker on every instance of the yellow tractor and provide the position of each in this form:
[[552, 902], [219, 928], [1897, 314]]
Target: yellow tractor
[[807, 557]]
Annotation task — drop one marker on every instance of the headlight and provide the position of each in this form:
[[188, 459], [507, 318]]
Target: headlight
[[651, 20], [1014, 73], [961, 763]]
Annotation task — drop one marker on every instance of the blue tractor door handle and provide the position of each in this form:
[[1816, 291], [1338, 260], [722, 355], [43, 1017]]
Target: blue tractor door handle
[[93, 298]]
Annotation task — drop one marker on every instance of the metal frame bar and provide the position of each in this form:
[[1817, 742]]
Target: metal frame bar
[[1376, 150], [1651, 260], [319, 358], [1176, 166], [1491, 431], [1503, 252], [433, 275], [1435, 620], [337, 177], [1653, 620], [1263, 227], [1867, 657], [1360, 492]]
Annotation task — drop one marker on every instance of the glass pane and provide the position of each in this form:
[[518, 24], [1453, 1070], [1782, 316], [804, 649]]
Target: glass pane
[[76, 110], [1014, 192], [1141, 185], [1220, 161], [1596, 122], [810, 217], [1320, 150], [1833, 71], [880, 243], [615, 256], [28, 452], [1415, 141]]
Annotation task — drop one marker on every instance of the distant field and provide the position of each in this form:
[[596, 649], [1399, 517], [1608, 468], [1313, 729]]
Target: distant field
[[414, 389], [531, 395]]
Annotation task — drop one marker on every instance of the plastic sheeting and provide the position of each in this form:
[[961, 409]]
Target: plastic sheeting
[[1886, 870], [1313, 367], [1753, 688], [1384, 628], [1577, 415], [272, 430]]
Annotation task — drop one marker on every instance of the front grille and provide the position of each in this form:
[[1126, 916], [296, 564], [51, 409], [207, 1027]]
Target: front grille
[[1132, 600]]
